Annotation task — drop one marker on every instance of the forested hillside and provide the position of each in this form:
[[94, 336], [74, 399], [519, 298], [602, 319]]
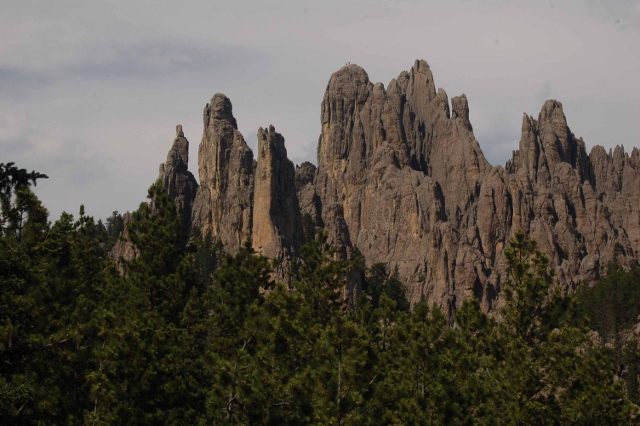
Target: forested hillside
[[185, 333]]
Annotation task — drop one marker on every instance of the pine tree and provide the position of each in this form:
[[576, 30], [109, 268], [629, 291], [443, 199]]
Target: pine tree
[[553, 371], [148, 362], [478, 366], [420, 385], [23, 226], [237, 328], [379, 281], [49, 277]]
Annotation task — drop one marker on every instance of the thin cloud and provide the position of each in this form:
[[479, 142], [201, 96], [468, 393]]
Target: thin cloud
[[544, 93], [18, 83], [144, 61], [158, 59], [110, 80], [623, 14]]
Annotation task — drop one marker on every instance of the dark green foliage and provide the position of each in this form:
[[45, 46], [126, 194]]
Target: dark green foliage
[[321, 280], [236, 328], [420, 386], [148, 362], [308, 228], [11, 178], [553, 368], [187, 334], [630, 360], [207, 255], [312, 340], [379, 281], [114, 228], [49, 290], [18, 203], [613, 304]]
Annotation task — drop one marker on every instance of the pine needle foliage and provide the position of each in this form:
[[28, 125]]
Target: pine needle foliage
[[185, 333]]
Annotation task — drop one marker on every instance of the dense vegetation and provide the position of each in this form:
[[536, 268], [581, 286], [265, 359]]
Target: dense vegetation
[[613, 308], [186, 334]]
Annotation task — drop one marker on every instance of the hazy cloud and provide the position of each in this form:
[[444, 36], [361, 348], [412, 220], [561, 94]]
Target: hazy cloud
[[90, 92], [544, 93], [624, 14], [144, 61], [160, 59], [18, 83]]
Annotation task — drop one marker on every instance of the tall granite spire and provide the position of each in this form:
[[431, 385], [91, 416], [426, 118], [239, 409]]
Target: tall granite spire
[[277, 230], [178, 180], [223, 205]]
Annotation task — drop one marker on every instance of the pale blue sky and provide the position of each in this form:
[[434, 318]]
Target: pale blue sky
[[90, 92]]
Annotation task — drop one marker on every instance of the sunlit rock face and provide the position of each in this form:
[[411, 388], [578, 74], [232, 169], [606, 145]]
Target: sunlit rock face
[[277, 229], [223, 206]]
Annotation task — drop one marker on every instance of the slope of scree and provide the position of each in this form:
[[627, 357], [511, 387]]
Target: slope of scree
[[401, 177]]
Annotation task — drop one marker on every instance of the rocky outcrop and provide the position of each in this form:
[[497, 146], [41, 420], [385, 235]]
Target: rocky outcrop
[[224, 201], [402, 180], [398, 176], [564, 199], [306, 193], [241, 199], [123, 250], [178, 180], [277, 230], [181, 186]]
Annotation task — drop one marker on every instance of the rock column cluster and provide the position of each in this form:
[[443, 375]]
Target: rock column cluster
[[402, 179]]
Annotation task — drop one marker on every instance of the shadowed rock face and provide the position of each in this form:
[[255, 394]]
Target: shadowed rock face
[[306, 192], [401, 178], [277, 230], [123, 249], [178, 180]]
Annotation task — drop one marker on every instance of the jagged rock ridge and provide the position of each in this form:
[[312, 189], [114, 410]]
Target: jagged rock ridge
[[401, 177]]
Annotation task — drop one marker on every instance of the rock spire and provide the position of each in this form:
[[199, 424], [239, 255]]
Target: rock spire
[[223, 204], [179, 182], [277, 230], [402, 180]]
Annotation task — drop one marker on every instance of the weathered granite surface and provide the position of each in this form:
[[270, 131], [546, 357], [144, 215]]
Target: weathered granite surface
[[223, 205], [179, 182], [276, 226], [401, 178]]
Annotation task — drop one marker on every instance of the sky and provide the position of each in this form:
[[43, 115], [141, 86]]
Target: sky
[[90, 92]]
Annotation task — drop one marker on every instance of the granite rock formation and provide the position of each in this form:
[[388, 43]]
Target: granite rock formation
[[398, 176], [123, 249], [402, 179], [178, 180], [224, 202], [401, 176], [276, 226], [240, 198], [306, 192], [181, 186]]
